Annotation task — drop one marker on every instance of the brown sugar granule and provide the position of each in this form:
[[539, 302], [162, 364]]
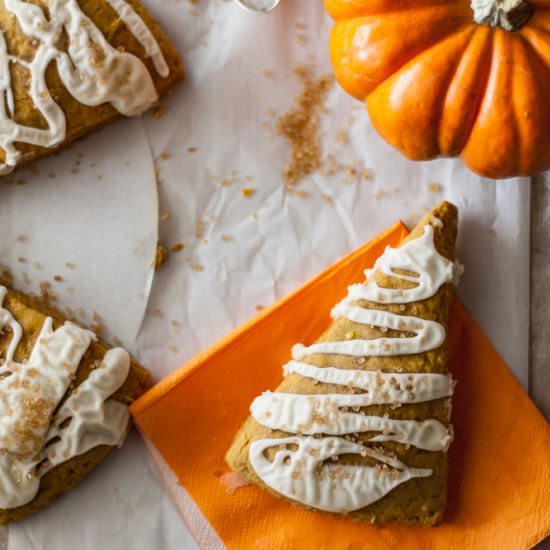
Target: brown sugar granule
[[300, 125], [225, 238], [197, 267], [57, 278], [21, 238], [435, 187], [165, 156], [342, 137], [247, 192], [177, 247], [366, 174], [268, 73], [6, 276], [44, 286], [199, 229], [98, 328], [298, 193], [165, 216], [46, 293], [69, 265], [328, 199], [161, 256], [159, 111], [192, 149]]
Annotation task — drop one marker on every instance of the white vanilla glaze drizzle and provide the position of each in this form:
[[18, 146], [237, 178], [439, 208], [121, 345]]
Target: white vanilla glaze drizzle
[[330, 414], [142, 34], [31, 441], [428, 335], [93, 71], [381, 388], [306, 474], [419, 257], [302, 466]]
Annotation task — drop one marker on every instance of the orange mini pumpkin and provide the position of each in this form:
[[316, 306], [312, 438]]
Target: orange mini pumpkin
[[450, 77]]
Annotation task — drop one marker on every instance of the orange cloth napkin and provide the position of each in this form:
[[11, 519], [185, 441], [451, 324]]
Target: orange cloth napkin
[[499, 486]]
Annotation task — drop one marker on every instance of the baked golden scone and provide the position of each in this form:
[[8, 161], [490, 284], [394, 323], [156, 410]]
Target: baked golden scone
[[64, 399], [69, 66], [360, 424]]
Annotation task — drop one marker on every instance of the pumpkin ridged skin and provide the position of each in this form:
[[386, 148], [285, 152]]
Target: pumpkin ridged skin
[[436, 83]]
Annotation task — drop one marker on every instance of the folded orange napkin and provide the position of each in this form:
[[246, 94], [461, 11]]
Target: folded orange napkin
[[499, 487]]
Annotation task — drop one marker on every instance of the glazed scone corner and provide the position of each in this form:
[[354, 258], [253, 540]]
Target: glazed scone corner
[[67, 73], [31, 314], [366, 398]]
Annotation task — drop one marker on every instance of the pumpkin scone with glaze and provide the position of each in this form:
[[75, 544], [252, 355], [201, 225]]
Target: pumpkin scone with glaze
[[69, 66], [360, 425], [64, 399]]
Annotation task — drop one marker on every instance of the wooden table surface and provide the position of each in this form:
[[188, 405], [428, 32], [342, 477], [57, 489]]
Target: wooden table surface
[[539, 370]]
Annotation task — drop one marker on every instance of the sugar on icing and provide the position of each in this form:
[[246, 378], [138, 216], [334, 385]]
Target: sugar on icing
[[93, 71], [382, 388], [331, 414], [302, 466], [294, 472], [428, 335], [32, 440]]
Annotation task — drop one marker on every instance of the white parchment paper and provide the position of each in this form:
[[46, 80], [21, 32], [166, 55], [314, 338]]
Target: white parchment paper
[[90, 219], [243, 253]]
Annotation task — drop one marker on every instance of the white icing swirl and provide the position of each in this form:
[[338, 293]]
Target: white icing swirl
[[31, 391], [381, 388], [304, 475], [142, 34], [428, 271], [330, 414], [93, 71], [7, 321], [428, 335], [31, 443], [299, 469]]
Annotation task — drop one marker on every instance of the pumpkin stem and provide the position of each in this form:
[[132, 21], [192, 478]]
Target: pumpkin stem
[[509, 15]]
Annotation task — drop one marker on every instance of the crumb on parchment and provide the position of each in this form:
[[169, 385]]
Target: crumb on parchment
[[176, 247], [161, 256]]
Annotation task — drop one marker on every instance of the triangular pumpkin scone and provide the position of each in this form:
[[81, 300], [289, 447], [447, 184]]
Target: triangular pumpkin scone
[[64, 399], [360, 424]]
